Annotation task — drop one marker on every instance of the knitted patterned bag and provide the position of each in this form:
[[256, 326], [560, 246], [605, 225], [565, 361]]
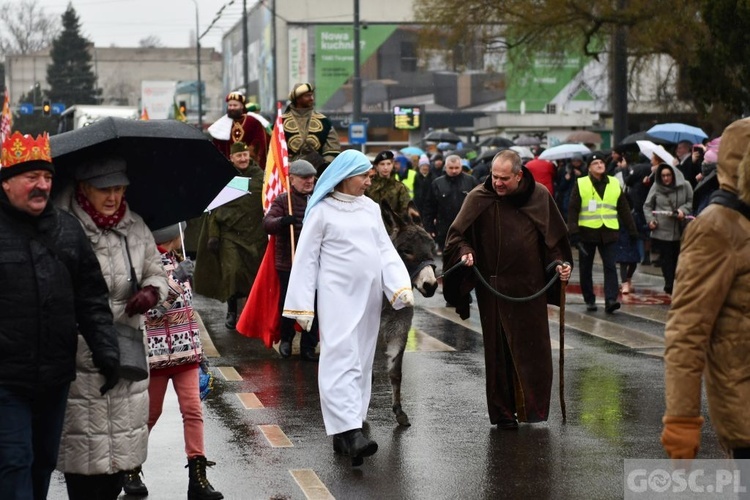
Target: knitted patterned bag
[[174, 339]]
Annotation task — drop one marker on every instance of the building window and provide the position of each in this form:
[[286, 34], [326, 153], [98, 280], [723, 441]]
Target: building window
[[408, 57]]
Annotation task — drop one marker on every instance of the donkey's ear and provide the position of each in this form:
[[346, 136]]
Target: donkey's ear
[[412, 214], [387, 213]]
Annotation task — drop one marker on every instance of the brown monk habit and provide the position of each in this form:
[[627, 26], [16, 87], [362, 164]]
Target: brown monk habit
[[513, 239]]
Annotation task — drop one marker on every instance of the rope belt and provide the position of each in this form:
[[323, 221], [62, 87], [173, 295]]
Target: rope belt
[[541, 292]]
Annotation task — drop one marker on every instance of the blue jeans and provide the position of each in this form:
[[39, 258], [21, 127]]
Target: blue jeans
[[30, 432], [607, 252]]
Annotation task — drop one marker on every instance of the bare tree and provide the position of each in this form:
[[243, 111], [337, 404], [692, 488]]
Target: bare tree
[[150, 42], [25, 27]]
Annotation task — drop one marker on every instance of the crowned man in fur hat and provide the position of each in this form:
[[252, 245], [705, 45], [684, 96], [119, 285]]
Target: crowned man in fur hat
[[238, 126], [309, 134]]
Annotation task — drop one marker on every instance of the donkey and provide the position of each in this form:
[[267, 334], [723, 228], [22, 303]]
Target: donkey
[[417, 249]]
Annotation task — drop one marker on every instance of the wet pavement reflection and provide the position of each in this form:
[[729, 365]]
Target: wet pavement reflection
[[614, 395]]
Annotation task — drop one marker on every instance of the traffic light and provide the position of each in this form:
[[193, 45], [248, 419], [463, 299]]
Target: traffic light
[[46, 108], [183, 108]]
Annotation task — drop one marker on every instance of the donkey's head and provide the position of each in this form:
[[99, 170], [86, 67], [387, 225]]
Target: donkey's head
[[415, 247]]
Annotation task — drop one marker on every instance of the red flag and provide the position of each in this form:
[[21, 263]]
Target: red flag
[[260, 317]]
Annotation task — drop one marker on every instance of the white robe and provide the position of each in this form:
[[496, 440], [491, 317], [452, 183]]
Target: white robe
[[345, 254]]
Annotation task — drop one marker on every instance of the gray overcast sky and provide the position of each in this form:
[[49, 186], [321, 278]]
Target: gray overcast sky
[[125, 22]]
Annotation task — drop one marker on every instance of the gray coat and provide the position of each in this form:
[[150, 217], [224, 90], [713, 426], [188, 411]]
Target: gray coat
[[661, 198]]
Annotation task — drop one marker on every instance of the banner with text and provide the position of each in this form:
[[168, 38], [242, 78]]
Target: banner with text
[[334, 55]]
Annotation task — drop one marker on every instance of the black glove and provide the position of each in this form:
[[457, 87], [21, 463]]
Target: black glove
[[143, 300], [184, 270], [575, 239], [288, 220], [213, 245], [110, 368]]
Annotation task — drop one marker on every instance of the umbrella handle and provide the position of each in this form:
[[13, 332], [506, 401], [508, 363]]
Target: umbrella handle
[[182, 238]]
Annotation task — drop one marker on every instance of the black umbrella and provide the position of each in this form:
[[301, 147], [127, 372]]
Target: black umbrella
[[526, 140], [442, 136], [629, 143], [174, 170], [496, 142]]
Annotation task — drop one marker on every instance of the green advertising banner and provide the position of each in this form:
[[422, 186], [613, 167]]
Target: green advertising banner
[[537, 84], [334, 55]]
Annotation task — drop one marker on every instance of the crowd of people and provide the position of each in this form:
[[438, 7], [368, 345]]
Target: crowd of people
[[85, 273]]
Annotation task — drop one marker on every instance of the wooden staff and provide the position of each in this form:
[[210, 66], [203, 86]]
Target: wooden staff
[[291, 212], [563, 284]]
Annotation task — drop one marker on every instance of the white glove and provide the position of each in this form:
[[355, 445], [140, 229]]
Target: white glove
[[305, 322], [407, 298]]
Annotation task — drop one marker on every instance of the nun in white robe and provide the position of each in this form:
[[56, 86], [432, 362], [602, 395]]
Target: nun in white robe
[[345, 254]]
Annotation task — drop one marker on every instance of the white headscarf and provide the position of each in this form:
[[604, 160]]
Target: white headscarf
[[347, 164]]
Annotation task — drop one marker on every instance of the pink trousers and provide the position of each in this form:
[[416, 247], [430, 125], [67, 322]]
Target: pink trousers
[[188, 395]]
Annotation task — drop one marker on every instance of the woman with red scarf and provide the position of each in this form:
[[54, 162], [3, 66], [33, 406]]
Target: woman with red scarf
[[106, 435]]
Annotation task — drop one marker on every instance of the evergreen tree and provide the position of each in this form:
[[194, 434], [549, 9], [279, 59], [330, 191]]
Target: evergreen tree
[[69, 76]]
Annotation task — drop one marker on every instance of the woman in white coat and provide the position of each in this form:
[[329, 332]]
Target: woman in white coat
[[106, 435], [345, 255]]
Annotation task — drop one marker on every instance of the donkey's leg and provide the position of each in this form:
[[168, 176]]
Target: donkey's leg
[[396, 325]]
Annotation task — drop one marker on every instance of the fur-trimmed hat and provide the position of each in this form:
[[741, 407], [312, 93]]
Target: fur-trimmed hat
[[235, 96], [23, 153], [300, 89]]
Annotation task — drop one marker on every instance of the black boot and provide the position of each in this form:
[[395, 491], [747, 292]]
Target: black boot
[[231, 320], [354, 444], [132, 483], [199, 488]]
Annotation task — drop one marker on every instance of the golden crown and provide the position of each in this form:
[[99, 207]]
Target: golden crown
[[20, 148]]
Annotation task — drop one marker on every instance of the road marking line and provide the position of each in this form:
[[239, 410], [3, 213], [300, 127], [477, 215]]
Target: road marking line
[[275, 436], [612, 331], [209, 349], [250, 401], [419, 341], [651, 313], [450, 315], [310, 484], [229, 373]]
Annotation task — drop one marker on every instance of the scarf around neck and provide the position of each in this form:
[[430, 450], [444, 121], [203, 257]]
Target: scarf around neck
[[102, 221]]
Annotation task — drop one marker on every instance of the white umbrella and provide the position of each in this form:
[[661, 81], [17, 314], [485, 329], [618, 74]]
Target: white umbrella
[[649, 149], [564, 151], [236, 188], [523, 152]]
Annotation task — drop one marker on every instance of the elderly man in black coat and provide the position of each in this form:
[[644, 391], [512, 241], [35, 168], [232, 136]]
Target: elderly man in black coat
[[52, 289]]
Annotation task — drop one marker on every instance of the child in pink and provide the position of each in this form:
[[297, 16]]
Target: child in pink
[[175, 353]]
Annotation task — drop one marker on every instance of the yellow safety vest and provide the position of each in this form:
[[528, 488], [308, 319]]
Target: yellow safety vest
[[409, 182], [606, 208]]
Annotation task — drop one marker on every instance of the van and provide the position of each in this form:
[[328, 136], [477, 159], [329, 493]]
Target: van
[[81, 115]]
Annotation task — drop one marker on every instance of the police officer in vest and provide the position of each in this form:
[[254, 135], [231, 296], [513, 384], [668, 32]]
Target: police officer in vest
[[598, 206]]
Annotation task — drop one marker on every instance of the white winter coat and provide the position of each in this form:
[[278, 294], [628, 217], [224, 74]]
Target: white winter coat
[[107, 434]]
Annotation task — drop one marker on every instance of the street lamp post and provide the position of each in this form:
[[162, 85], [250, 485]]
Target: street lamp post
[[198, 64], [356, 80]]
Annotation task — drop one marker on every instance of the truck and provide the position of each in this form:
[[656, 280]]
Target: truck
[[81, 115]]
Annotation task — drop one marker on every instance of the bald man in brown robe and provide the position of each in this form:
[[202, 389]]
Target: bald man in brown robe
[[511, 229]]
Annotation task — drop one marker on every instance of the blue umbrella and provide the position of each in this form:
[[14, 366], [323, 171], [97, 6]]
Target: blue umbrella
[[412, 150], [676, 132]]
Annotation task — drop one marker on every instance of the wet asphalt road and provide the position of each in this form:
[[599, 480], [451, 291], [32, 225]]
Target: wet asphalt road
[[614, 394]]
